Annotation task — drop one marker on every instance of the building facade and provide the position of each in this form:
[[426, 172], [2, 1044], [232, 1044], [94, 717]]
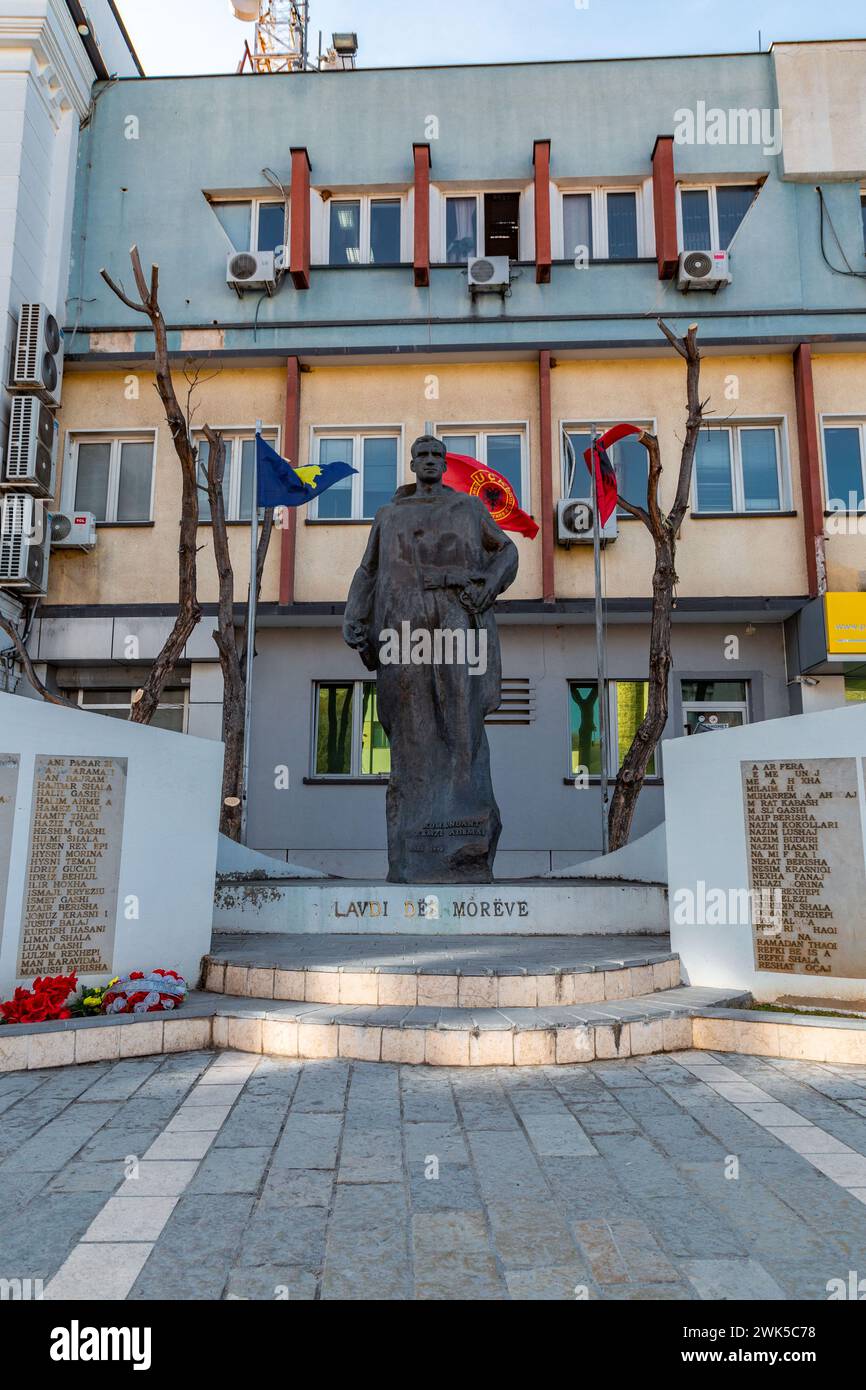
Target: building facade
[[375, 189]]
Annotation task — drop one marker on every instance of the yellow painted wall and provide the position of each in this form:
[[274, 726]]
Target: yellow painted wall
[[138, 564], [840, 389], [715, 557]]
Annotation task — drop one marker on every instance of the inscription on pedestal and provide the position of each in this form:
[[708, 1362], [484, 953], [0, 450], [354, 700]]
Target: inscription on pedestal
[[8, 788], [805, 856], [73, 865]]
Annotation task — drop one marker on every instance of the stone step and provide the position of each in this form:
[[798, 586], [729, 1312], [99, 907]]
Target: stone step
[[656, 1022], [482, 972]]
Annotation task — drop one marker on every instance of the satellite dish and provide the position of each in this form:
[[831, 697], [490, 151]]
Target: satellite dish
[[247, 10]]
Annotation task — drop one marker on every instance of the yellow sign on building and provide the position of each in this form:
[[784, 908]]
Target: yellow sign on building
[[846, 624]]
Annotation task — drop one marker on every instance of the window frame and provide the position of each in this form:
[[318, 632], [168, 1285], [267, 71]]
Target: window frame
[[234, 436], [714, 706], [354, 774], [711, 188], [831, 420], [81, 691], [779, 424], [478, 192], [255, 201], [598, 211], [357, 433], [116, 438], [611, 728], [567, 426], [365, 198], [494, 427]]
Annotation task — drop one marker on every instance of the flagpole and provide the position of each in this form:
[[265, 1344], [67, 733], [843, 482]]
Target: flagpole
[[251, 638], [599, 646]]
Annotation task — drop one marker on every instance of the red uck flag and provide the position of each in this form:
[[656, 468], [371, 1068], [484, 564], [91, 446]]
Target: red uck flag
[[468, 475], [605, 475]]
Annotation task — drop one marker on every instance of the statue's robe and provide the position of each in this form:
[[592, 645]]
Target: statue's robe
[[443, 821]]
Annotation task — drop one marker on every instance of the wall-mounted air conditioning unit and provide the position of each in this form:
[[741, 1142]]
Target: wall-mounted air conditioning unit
[[37, 363], [251, 270], [73, 530], [703, 270], [574, 522], [24, 544], [31, 453], [489, 275]]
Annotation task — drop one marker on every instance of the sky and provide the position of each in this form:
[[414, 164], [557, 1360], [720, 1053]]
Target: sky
[[188, 36]]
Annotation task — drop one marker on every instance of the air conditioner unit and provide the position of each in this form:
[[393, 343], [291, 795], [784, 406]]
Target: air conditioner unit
[[251, 270], [574, 522], [703, 270], [31, 454], [73, 530], [24, 544], [38, 361], [489, 275]]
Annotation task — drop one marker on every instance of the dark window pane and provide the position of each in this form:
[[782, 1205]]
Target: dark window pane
[[375, 749], [336, 503], [630, 461], [91, 479], [465, 444], [712, 719], [248, 447], [844, 466], [576, 223], [696, 219], [334, 731], [133, 491], [385, 231], [345, 244], [168, 719], [715, 491], [621, 226], [760, 470], [583, 720], [501, 220], [713, 690], [203, 499], [581, 482], [732, 204], [272, 226], [461, 229], [504, 454], [380, 473]]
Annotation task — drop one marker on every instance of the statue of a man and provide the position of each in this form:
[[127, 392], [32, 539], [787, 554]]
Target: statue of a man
[[420, 613]]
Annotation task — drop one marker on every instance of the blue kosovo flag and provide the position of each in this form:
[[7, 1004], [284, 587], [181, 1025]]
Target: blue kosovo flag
[[281, 485]]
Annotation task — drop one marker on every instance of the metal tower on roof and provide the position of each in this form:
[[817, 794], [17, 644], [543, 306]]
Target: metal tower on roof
[[280, 42]]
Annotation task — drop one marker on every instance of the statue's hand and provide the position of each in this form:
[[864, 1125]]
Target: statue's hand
[[355, 634], [478, 595]]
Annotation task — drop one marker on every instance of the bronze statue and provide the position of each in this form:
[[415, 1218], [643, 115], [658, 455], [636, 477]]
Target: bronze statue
[[420, 613]]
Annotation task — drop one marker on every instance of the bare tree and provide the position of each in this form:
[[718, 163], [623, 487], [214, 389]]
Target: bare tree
[[29, 669], [663, 527], [189, 609], [230, 640]]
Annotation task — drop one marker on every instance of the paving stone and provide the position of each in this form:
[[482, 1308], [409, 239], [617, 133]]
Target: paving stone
[[131, 1218], [367, 1250], [231, 1170], [322, 1087], [117, 1143], [272, 1282], [446, 1142], [506, 1166], [527, 1232], [122, 1081], [732, 1280], [159, 1178], [558, 1135], [464, 1275], [568, 1282], [453, 1188], [197, 1249], [253, 1122], [449, 1230], [370, 1155], [79, 1176], [103, 1271], [308, 1141], [36, 1239], [285, 1236], [298, 1187]]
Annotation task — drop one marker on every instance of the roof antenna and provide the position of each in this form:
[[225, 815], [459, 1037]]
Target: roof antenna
[[760, 45]]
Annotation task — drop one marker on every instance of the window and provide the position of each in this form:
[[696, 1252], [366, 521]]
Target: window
[[855, 689], [237, 477], [258, 224], [473, 220], [374, 454], [627, 702], [863, 215], [117, 704], [604, 223], [502, 448], [628, 456], [714, 704], [739, 470], [844, 456], [349, 740], [112, 476], [364, 231], [709, 217]]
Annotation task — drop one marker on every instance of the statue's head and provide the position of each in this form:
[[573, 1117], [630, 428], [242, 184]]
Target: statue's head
[[428, 459]]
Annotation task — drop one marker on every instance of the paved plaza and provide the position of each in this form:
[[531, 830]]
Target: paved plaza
[[225, 1175]]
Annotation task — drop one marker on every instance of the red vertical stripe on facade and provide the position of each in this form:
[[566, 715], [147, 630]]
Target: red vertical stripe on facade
[[548, 586], [421, 255], [541, 161], [291, 451], [665, 206], [299, 235], [810, 469]]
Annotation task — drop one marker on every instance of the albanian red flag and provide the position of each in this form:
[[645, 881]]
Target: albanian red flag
[[468, 475], [605, 474]]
